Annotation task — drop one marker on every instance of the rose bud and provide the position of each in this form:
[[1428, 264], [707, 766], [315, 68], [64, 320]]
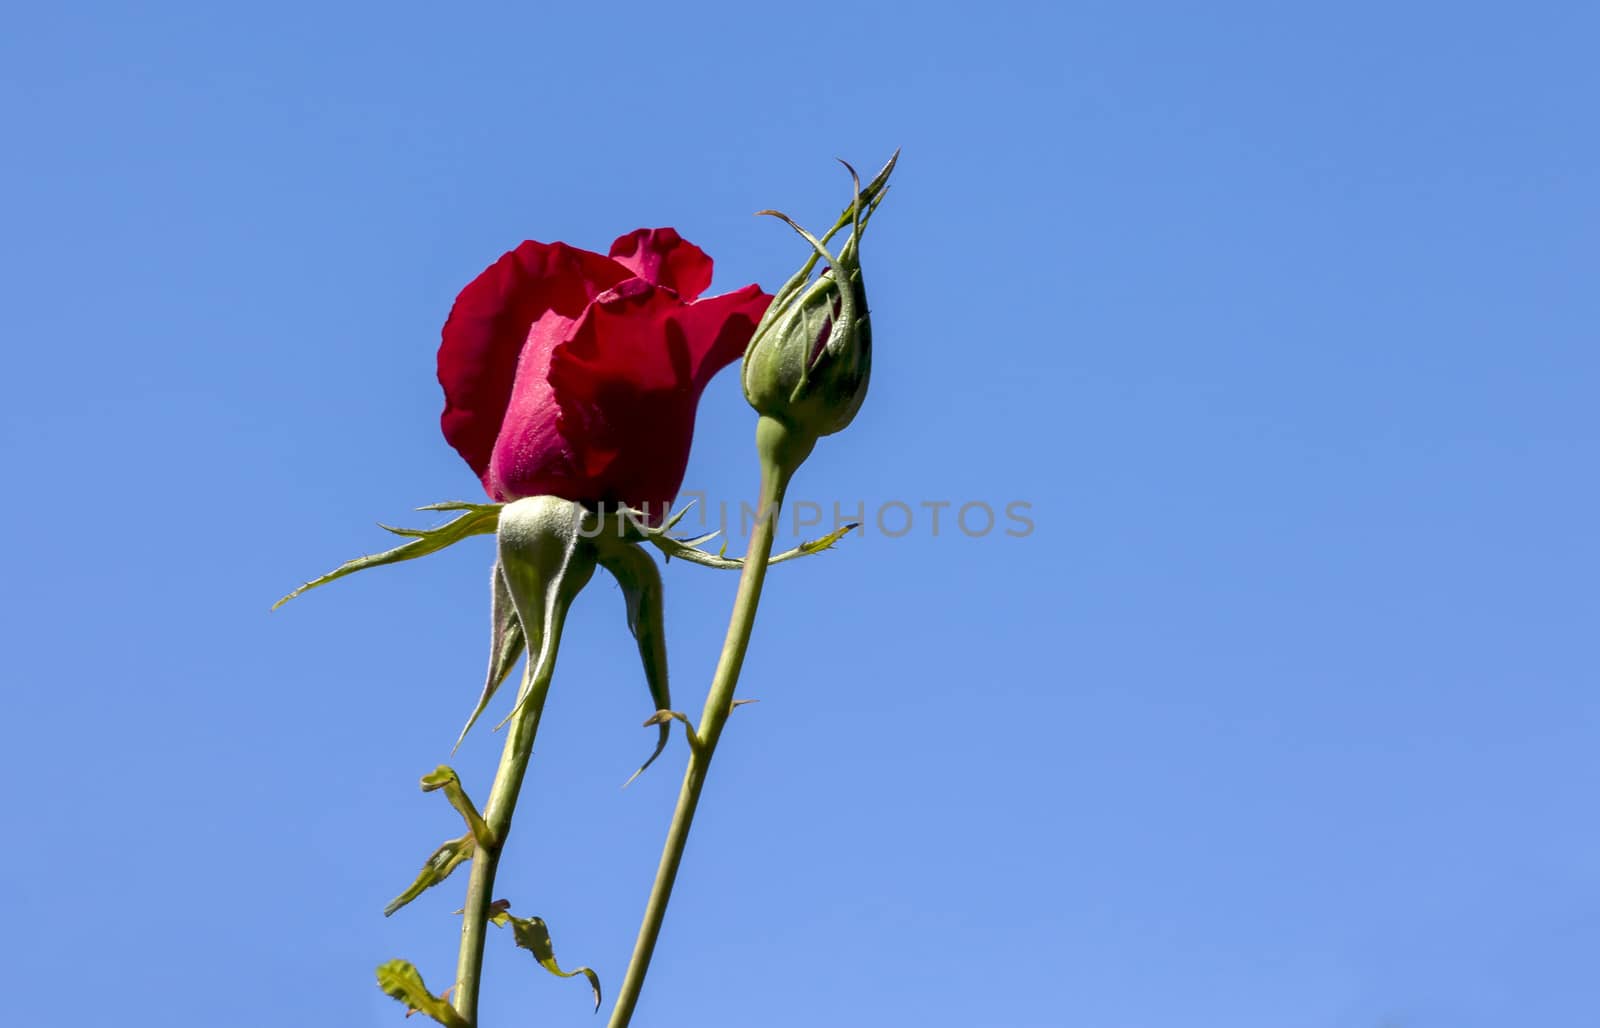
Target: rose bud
[[809, 361], [570, 374]]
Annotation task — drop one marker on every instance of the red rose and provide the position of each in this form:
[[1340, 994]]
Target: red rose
[[570, 374]]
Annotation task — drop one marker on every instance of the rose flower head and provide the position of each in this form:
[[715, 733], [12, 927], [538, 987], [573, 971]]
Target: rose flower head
[[570, 374]]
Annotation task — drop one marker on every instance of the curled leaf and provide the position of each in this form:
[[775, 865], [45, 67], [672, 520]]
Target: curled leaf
[[445, 778], [533, 935], [435, 869], [664, 718], [401, 980]]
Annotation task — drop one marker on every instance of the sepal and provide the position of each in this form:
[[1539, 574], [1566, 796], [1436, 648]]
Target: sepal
[[476, 519], [506, 645], [640, 580], [689, 549], [546, 563]]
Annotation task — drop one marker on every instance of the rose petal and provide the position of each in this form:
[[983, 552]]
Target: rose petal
[[628, 381], [617, 353], [543, 286], [717, 330], [662, 257]]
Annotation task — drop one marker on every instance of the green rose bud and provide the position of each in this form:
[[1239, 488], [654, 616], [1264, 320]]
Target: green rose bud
[[809, 360]]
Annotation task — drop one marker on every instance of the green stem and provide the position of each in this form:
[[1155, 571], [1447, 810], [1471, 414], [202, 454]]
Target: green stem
[[497, 813], [781, 453]]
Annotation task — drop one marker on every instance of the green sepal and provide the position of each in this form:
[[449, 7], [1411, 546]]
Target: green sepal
[[533, 935], [640, 580], [402, 981], [476, 519], [867, 197], [689, 549], [546, 563], [436, 869], [506, 645]]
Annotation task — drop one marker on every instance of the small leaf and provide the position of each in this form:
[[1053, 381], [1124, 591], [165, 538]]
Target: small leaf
[[664, 718], [532, 935], [445, 778], [506, 643], [435, 869], [445, 995], [400, 980], [479, 519]]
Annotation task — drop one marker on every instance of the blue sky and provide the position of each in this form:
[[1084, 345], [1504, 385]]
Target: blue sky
[[1282, 319]]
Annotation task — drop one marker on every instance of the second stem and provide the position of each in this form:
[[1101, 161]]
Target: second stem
[[781, 453]]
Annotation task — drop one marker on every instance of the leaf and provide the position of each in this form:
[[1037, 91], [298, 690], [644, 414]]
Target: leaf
[[640, 580], [445, 778], [533, 935], [664, 718], [506, 643], [479, 519], [402, 981], [435, 869]]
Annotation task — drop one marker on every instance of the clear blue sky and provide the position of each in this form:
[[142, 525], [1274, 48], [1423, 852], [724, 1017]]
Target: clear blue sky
[[1283, 318]]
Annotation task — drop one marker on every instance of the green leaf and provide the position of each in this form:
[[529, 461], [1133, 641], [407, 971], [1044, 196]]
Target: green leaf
[[445, 778], [506, 644], [531, 934], [478, 519], [640, 580], [664, 718], [436, 869], [402, 981]]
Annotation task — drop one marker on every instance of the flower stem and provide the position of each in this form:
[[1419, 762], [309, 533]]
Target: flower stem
[[781, 454], [497, 813]]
